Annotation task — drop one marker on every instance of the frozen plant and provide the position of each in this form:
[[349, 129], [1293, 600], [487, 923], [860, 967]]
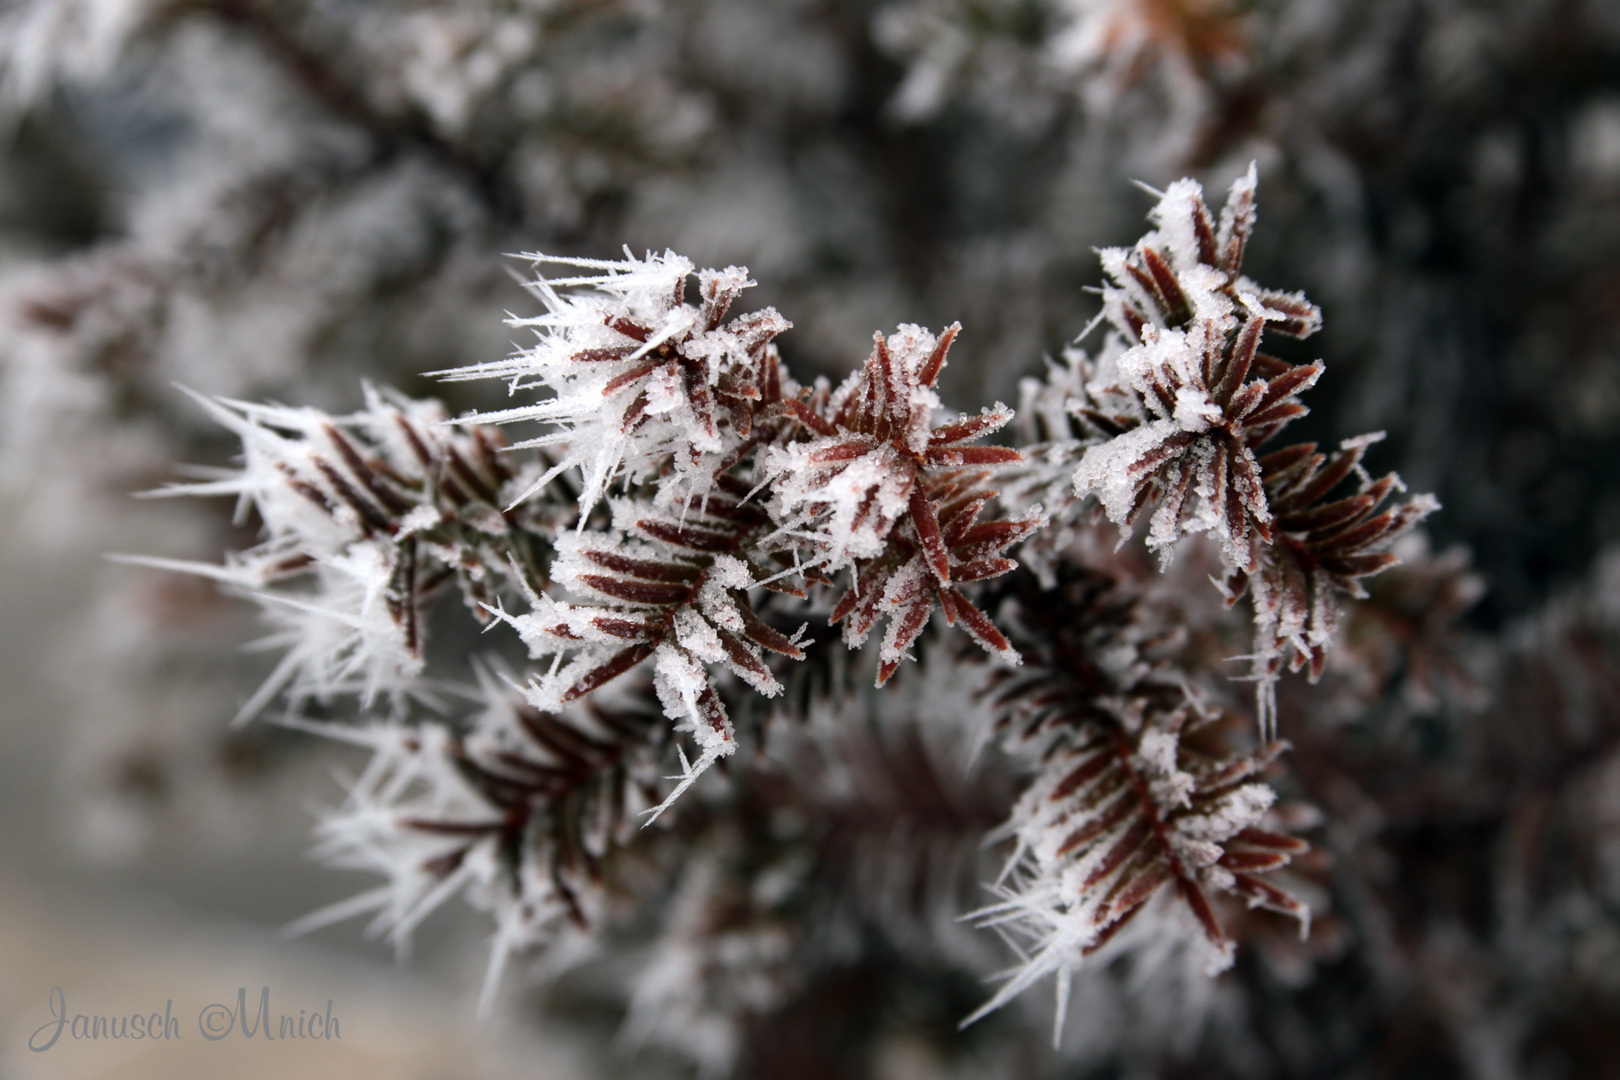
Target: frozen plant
[[687, 503], [1186, 398]]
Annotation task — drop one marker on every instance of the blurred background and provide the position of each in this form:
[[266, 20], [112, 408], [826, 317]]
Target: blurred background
[[276, 199]]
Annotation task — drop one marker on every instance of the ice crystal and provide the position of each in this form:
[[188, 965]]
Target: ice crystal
[[366, 518], [1323, 551], [876, 462], [1186, 405], [634, 377], [1123, 804], [515, 814], [667, 587], [1195, 325]]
